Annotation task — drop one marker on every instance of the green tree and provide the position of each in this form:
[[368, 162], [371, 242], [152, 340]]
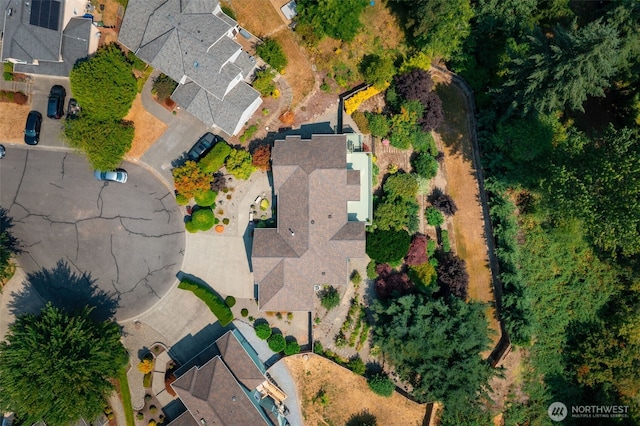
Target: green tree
[[434, 217], [271, 52], [239, 164], [404, 125], [104, 85], [600, 184], [381, 384], [425, 165], [388, 246], [214, 160], [423, 276], [8, 244], [56, 366], [438, 26], [263, 331], [395, 214], [277, 343], [561, 71], [263, 82], [435, 345], [104, 142], [378, 124], [163, 86], [377, 70], [329, 297], [189, 180], [339, 19], [401, 185]]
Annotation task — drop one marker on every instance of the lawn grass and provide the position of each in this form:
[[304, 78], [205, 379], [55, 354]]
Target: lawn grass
[[143, 79], [125, 395]]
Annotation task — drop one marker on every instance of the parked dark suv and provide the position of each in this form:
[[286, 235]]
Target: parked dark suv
[[32, 128], [204, 144], [55, 107]]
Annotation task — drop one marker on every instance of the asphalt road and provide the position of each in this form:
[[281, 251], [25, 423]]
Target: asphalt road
[[128, 237]]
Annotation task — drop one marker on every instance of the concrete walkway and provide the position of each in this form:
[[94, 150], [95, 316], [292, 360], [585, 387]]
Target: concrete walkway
[[282, 376]]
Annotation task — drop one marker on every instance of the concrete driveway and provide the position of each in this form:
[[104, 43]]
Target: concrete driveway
[[129, 237], [51, 131]]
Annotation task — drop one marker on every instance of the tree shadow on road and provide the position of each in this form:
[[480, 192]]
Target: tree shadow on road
[[64, 289]]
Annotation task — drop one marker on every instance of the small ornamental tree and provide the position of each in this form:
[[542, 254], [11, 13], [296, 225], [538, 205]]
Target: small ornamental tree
[[381, 384], [425, 165], [277, 343], [443, 202], [263, 331], [387, 246], [434, 217], [357, 365], [146, 366], [433, 114], [190, 180], [377, 70], [379, 125], [453, 277], [423, 276], [263, 82], [391, 283], [292, 347], [414, 85], [417, 254], [261, 159], [401, 185], [271, 52], [238, 164], [163, 86], [329, 297]]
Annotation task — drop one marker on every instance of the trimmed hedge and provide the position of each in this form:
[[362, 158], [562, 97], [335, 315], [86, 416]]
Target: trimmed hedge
[[203, 219], [292, 348], [263, 331], [215, 159], [230, 301], [381, 384], [277, 343], [206, 198], [215, 303]]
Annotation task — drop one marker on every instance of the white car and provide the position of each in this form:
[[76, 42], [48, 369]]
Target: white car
[[118, 175]]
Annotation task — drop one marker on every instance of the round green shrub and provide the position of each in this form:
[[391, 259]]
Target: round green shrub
[[263, 331], [277, 343], [230, 301], [292, 347], [203, 219], [264, 204], [147, 398], [153, 409], [225, 221], [434, 217], [182, 200], [244, 312], [139, 416], [191, 227], [206, 198], [381, 384]]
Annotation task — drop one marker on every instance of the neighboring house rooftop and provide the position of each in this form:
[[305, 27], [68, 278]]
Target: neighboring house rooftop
[[313, 184], [192, 42], [222, 389], [42, 37]]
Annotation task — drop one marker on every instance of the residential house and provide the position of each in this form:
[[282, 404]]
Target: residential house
[[322, 188], [46, 36], [225, 385], [192, 41]]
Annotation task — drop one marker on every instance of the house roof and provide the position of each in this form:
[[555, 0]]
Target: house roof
[[219, 390], [75, 45], [189, 41], [314, 237], [33, 30]]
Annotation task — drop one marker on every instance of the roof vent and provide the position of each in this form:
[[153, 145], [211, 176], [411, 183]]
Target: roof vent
[[196, 64], [313, 221], [329, 216], [324, 273], [233, 398], [203, 421]]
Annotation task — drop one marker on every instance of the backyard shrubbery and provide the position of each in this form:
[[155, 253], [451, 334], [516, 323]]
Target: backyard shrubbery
[[329, 297], [292, 347], [277, 342], [215, 303], [263, 331], [215, 159], [381, 384], [271, 52]]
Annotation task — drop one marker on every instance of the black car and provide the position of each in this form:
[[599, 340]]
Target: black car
[[32, 128], [72, 109], [2, 151], [204, 144], [55, 107]]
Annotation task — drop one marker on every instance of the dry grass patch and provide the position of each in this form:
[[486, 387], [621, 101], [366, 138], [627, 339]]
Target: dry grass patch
[[298, 72], [147, 128], [259, 17], [331, 394], [12, 128], [468, 222]]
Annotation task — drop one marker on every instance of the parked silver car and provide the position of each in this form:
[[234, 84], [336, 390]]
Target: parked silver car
[[118, 175]]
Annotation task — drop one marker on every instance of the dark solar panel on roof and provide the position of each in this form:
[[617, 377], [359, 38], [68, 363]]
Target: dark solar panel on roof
[[45, 14]]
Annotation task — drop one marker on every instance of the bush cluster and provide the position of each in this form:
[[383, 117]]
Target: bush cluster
[[263, 331], [215, 303], [214, 160], [381, 384]]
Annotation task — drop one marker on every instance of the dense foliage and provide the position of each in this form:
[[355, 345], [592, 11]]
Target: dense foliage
[[189, 180], [339, 19], [9, 245], [263, 82], [453, 277], [56, 366], [381, 384], [271, 52], [388, 246], [417, 254], [214, 160], [261, 158], [377, 70], [239, 164], [277, 342], [263, 331], [329, 297], [435, 345], [163, 86]]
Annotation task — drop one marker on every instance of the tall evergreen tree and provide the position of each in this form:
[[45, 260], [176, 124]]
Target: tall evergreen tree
[[560, 70], [55, 366]]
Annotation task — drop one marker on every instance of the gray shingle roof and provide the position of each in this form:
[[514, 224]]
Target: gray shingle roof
[[75, 45], [27, 42], [213, 392], [314, 238], [191, 44]]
